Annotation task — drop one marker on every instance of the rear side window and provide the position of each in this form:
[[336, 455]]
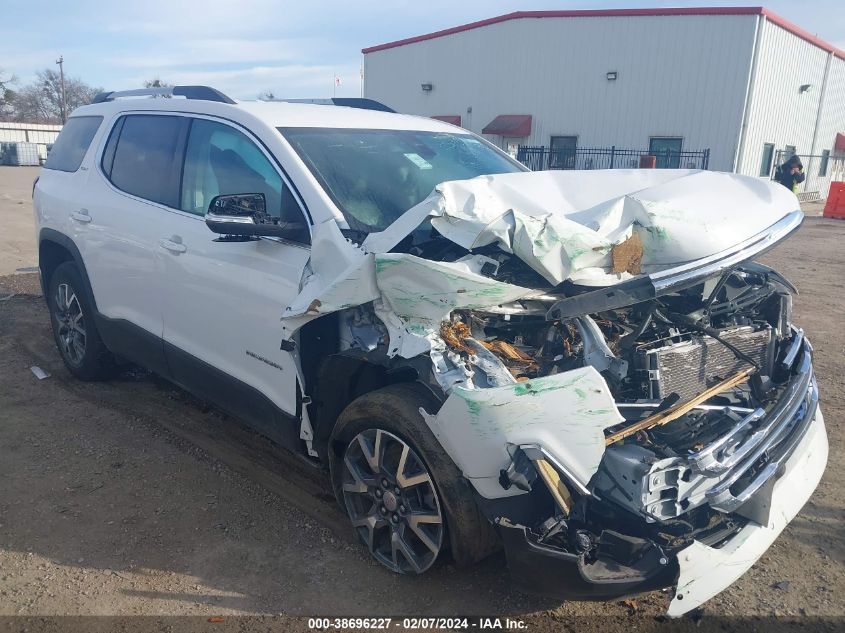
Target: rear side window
[[140, 157], [72, 143]]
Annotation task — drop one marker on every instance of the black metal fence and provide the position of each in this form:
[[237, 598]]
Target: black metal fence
[[819, 171], [541, 158]]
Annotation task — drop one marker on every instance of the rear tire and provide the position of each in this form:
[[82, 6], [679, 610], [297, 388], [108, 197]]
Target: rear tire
[[398, 522], [72, 317]]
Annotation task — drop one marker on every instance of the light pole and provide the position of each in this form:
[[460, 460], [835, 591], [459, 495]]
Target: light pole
[[60, 61]]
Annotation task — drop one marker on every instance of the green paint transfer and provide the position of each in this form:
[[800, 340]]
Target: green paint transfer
[[383, 264], [540, 385]]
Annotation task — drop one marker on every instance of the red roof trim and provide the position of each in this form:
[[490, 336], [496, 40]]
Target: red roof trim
[[595, 13], [454, 119], [516, 125], [804, 35]]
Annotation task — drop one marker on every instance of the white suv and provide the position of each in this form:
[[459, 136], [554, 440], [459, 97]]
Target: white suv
[[583, 367]]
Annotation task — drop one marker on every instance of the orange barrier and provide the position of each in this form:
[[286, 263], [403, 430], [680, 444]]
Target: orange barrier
[[648, 162], [835, 205]]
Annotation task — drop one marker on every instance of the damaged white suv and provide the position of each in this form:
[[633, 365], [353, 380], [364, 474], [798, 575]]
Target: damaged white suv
[[586, 368]]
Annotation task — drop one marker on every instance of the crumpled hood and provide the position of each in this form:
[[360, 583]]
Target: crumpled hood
[[565, 224]]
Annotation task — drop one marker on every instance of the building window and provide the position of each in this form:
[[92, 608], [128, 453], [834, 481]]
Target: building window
[[788, 152], [667, 150], [562, 152], [768, 155], [823, 164]]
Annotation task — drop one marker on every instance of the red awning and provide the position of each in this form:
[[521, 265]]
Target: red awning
[[454, 119], [509, 125], [839, 145]]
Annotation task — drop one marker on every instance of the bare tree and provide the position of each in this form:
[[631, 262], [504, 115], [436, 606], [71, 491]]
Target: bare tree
[[30, 106], [41, 101], [267, 95], [7, 95]]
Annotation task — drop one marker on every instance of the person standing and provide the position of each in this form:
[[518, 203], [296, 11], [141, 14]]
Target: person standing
[[791, 173]]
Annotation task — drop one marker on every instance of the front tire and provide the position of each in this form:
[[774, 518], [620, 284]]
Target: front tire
[[407, 500], [72, 317]]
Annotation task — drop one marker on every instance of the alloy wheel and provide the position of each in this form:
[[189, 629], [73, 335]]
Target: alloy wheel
[[71, 323], [390, 497]]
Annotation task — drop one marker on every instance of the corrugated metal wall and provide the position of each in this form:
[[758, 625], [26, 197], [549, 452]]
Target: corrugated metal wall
[[779, 112], [28, 132], [832, 119], [677, 76], [39, 133]]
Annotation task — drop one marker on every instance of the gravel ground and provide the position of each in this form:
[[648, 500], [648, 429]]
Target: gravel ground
[[130, 497], [17, 237]]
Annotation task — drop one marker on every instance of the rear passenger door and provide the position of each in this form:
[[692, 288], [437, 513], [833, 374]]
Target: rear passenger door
[[140, 165], [223, 300]]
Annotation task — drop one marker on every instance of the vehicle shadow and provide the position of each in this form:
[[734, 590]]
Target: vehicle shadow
[[820, 527], [144, 500]]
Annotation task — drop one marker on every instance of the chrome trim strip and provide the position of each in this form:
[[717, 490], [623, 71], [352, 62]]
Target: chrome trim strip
[[689, 273], [767, 435], [707, 461], [229, 219], [721, 498], [794, 348]]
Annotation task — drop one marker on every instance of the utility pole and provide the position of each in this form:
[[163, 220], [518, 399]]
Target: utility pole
[[61, 61]]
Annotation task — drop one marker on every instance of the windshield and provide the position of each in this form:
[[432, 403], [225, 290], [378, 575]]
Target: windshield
[[374, 176]]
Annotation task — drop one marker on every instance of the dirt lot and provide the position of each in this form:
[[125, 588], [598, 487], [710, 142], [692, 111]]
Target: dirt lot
[[129, 497], [17, 236]]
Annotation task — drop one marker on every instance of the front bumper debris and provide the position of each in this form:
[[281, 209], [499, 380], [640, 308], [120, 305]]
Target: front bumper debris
[[727, 472], [698, 571], [547, 571], [705, 571], [763, 469]]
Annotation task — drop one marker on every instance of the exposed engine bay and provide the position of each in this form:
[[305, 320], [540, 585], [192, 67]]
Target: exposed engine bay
[[614, 395], [661, 488]]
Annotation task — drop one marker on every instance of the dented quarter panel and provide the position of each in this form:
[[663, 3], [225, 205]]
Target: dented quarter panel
[[565, 413]]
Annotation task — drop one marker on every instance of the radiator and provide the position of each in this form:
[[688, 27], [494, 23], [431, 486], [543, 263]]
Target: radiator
[[689, 367]]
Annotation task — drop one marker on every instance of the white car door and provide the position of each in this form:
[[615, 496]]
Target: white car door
[[126, 196], [223, 299]]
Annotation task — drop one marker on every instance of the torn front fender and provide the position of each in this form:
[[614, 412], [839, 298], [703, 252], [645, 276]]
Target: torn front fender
[[565, 414], [424, 290]]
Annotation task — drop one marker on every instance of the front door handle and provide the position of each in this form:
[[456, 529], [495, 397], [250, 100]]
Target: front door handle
[[173, 244], [81, 216]]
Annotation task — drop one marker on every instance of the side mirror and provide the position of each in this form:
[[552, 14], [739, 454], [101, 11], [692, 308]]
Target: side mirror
[[244, 215]]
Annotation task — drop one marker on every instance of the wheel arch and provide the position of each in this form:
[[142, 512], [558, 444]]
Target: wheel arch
[[54, 249], [334, 379], [340, 380]]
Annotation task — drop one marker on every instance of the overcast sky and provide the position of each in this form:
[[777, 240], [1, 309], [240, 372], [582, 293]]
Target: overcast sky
[[248, 46]]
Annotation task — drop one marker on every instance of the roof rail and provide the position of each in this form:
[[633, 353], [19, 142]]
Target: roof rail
[[202, 93], [349, 102]]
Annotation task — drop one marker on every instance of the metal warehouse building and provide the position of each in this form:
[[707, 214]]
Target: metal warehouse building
[[733, 89], [34, 136]]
